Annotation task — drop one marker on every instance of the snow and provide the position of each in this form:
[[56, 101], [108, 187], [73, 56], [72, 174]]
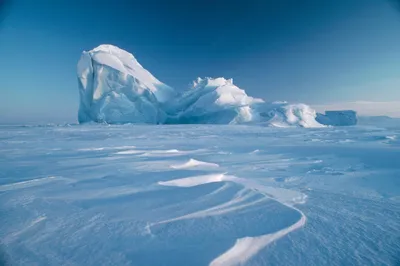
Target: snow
[[247, 247], [28, 183], [115, 89], [338, 118], [199, 195], [192, 163], [195, 180]]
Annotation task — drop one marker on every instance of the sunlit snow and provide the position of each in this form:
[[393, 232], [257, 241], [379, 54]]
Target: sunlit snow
[[199, 195]]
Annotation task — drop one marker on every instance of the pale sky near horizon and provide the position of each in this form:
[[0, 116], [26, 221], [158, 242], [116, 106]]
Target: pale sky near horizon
[[332, 53], [364, 108]]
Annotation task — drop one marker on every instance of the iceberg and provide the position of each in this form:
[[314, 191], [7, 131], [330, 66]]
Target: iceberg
[[115, 89], [213, 101], [338, 118]]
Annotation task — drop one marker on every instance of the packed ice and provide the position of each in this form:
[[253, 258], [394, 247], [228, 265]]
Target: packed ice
[[95, 194], [115, 89]]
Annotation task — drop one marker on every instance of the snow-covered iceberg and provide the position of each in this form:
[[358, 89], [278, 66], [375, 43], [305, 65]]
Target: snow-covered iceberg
[[114, 88], [338, 118], [213, 101]]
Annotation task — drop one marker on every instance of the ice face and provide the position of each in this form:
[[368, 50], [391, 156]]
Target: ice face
[[214, 101], [338, 118], [115, 89]]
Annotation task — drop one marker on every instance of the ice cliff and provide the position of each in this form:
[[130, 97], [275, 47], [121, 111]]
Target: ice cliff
[[114, 88], [338, 118]]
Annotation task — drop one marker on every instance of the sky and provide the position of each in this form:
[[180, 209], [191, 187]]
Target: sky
[[323, 53]]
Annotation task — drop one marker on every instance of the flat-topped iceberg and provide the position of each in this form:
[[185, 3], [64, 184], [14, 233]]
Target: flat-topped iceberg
[[338, 118], [114, 88]]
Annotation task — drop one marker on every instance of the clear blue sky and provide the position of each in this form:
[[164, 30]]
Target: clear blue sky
[[308, 51]]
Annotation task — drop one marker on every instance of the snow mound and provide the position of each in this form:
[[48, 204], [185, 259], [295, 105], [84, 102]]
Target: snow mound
[[214, 101], [338, 118], [192, 163], [282, 114], [195, 180], [115, 89]]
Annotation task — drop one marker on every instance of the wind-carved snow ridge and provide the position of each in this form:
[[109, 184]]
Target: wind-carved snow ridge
[[192, 163], [114, 88], [244, 248], [247, 247], [28, 183]]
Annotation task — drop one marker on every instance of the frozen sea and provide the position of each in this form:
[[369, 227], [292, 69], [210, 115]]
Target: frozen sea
[[199, 195]]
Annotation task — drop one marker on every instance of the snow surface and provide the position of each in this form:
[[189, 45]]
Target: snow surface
[[115, 89], [192, 163], [199, 195], [338, 118]]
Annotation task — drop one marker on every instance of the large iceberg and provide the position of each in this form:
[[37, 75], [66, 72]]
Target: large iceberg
[[114, 88]]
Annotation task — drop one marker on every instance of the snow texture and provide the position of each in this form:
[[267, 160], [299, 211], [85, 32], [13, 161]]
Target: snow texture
[[338, 118], [115, 89], [98, 194]]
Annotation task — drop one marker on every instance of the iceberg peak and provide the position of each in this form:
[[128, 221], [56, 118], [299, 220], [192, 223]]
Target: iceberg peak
[[211, 82]]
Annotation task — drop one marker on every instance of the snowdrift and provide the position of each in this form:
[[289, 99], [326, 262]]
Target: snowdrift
[[114, 88]]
